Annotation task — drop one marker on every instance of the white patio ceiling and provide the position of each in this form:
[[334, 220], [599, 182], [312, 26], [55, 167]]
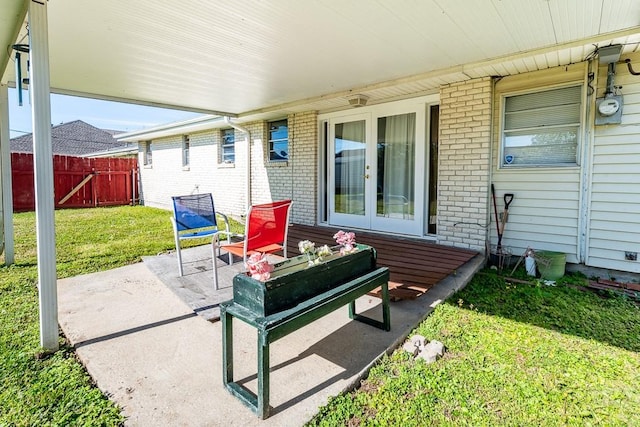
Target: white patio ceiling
[[260, 58]]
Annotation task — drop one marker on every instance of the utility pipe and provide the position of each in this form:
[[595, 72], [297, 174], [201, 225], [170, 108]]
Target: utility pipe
[[228, 121], [630, 67], [611, 74]]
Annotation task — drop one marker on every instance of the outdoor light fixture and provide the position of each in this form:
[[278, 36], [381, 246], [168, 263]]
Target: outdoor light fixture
[[358, 100], [609, 54]]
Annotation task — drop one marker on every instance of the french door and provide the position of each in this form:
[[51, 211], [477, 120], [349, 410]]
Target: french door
[[376, 170]]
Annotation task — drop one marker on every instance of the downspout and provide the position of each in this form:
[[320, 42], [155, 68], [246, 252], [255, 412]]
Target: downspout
[[247, 189]]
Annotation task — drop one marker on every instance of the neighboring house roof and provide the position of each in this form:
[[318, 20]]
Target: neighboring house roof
[[75, 138]]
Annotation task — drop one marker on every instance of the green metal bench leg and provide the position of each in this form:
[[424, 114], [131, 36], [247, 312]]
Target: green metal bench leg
[[386, 312], [386, 309], [263, 379], [227, 348]]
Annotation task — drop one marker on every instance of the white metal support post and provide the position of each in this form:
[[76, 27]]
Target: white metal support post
[[6, 196], [39, 89]]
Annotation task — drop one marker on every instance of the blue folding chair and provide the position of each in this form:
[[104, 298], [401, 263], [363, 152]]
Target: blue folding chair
[[194, 217]]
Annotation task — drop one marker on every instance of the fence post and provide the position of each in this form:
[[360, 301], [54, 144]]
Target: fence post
[[94, 189]]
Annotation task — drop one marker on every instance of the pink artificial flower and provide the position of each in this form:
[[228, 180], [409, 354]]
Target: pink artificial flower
[[259, 267], [347, 240]]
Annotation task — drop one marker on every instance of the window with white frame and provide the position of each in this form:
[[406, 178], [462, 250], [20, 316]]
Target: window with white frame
[[278, 141], [542, 128], [228, 151], [147, 157], [185, 151]]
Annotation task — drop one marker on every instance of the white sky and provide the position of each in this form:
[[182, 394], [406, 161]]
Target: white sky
[[101, 114]]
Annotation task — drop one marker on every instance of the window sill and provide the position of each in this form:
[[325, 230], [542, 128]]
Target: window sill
[[529, 167], [147, 166], [277, 163], [226, 165], [186, 168]]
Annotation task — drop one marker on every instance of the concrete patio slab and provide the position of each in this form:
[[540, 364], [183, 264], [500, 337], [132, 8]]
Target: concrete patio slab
[[195, 287], [162, 363]]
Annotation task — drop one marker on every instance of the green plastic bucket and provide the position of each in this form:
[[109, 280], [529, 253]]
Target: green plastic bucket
[[551, 264]]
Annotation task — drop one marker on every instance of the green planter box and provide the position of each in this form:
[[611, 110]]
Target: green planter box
[[293, 280]]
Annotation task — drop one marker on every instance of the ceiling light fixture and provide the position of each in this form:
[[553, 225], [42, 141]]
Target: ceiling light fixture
[[358, 100]]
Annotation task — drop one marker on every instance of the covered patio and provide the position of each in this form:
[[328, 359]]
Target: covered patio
[[263, 60], [150, 349], [241, 62]]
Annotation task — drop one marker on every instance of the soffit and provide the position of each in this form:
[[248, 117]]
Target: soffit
[[260, 58]]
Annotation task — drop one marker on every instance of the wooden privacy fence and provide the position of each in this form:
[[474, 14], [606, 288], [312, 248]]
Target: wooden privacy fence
[[78, 182]]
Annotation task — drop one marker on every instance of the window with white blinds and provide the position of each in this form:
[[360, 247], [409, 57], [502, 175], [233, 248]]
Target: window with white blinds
[[542, 128]]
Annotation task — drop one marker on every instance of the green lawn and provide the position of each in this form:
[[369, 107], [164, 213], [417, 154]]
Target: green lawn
[[39, 389], [517, 354]]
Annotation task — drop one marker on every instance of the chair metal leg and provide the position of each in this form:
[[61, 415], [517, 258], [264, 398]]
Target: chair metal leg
[[215, 266], [179, 256], [230, 254]]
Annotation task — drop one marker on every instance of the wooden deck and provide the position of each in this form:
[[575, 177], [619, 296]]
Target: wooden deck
[[415, 265]]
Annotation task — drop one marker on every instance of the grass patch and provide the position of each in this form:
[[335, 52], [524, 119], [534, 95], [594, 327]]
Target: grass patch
[[516, 355], [40, 389]]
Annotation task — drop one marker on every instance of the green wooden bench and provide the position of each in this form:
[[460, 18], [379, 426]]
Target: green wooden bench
[[295, 296]]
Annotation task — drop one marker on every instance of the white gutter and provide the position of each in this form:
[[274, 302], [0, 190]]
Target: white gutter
[[227, 120], [128, 150], [187, 126]]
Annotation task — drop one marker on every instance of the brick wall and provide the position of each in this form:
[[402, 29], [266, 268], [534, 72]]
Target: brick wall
[[167, 177], [293, 179], [464, 163]]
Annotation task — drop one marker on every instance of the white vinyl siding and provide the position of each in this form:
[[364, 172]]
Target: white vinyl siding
[[614, 206], [543, 214], [545, 210]]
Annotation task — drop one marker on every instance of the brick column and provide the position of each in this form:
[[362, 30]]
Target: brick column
[[464, 163], [303, 156]]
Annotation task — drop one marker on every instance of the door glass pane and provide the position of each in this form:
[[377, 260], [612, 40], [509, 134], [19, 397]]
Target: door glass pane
[[396, 166], [349, 167]]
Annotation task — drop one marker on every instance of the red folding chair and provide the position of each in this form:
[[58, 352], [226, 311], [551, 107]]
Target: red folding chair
[[266, 232]]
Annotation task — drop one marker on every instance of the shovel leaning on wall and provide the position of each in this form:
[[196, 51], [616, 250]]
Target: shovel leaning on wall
[[500, 252], [508, 198]]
